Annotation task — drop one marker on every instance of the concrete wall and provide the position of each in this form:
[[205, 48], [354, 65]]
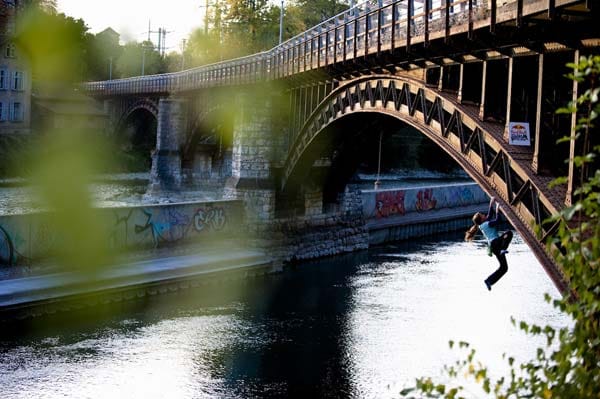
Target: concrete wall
[[392, 215], [29, 237], [385, 204]]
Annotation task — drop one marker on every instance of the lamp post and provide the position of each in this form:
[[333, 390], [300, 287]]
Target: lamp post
[[281, 23], [110, 61]]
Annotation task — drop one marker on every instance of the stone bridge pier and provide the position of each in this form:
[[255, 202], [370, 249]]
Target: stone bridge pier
[[166, 160], [254, 149]]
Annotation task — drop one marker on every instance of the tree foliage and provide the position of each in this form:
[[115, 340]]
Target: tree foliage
[[62, 48], [241, 27], [56, 45], [569, 365]]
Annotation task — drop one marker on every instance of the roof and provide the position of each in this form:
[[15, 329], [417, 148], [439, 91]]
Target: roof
[[59, 107], [109, 31]]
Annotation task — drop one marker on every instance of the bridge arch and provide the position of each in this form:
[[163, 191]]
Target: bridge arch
[[136, 131], [145, 104], [478, 147]]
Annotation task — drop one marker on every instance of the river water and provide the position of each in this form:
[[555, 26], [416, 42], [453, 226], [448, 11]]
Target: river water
[[362, 326]]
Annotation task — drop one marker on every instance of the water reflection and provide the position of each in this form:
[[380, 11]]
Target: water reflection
[[361, 325]]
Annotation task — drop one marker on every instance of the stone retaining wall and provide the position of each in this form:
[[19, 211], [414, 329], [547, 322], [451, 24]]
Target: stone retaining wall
[[316, 236]]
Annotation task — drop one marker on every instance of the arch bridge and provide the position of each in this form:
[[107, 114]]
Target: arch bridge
[[468, 74]]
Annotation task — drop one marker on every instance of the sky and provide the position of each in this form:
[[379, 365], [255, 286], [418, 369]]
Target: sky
[[130, 17]]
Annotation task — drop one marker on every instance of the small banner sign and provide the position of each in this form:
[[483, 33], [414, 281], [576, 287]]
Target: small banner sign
[[518, 133]]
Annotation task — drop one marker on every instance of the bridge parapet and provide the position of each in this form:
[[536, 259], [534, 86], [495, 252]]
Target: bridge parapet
[[367, 29]]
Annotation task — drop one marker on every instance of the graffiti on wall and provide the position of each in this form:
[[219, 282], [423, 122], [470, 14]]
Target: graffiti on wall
[[165, 224], [7, 251], [461, 195], [31, 236], [209, 218], [425, 200], [389, 204], [11, 248]]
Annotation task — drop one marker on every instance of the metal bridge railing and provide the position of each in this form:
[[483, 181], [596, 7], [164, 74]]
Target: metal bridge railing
[[368, 28]]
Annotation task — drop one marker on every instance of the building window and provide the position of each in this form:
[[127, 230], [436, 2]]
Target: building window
[[17, 83], [3, 79], [11, 51], [16, 112], [2, 112]]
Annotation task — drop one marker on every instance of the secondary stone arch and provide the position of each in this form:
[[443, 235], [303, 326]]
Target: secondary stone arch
[[477, 146], [197, 133], [144, 104], [136, 132]]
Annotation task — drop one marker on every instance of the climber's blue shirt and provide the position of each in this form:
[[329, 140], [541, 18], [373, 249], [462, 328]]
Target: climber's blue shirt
[[489, 231]]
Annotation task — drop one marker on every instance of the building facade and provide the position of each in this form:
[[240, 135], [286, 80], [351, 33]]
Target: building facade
[[15, 75]]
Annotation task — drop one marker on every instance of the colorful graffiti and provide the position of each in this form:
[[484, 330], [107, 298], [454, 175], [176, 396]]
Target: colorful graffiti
[[7, 250], [31, 236], [377, 204], [12, 248], [389, 204], [461, 195], [165, 224], [209, 218], [425, 200]]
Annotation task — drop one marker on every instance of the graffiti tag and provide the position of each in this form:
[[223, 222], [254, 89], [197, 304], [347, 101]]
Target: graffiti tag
[[425, 200], [209, 217], [389, 203]]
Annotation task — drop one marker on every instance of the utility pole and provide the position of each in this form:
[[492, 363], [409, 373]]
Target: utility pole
[[143, 57], [183, 41], [160, 32], [110, 61], [281, 23]]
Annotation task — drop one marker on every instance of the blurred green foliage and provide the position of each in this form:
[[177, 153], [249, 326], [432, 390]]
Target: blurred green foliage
[[568, 366], [63, 166]]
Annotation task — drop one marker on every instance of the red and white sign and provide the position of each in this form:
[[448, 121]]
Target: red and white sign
[[518, 133]]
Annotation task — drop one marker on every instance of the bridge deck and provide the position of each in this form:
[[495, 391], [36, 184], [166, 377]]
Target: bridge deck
[[364, 31]]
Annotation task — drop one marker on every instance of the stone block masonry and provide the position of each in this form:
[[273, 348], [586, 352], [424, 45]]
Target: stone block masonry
[[316, 236], [373, 217], [166, 160], [252, 145]]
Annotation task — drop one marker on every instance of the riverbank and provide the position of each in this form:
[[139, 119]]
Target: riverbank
[[47, 288], [176, 246]]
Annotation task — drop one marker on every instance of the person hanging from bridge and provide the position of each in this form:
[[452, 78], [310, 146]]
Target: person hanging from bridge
[[497, 243]]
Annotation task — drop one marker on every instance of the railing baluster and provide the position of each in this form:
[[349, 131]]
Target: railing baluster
[[327, 48], [447, 21], [409, 15], [355, 54], [493, 16], [551, 9], [470, 34], [426, 23], [319, 48], [394, 20]]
